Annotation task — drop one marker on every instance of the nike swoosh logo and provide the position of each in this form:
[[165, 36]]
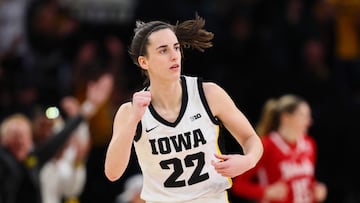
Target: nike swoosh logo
[[148, 130]]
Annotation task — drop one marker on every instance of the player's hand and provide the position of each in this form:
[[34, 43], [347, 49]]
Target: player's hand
[[231, 165], [276, 192], [70, 105], [320, 192], [99, 91], [141, 100]]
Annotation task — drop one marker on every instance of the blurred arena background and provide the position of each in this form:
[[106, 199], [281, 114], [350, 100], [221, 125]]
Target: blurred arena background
[[261, 49]]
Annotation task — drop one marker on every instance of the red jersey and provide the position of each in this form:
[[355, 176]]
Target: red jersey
[[292, 163]]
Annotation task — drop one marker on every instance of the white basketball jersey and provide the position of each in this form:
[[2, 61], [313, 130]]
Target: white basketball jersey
[[175, 157]]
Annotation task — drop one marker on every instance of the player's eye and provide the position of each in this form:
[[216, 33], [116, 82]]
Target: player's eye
[[163, 51]]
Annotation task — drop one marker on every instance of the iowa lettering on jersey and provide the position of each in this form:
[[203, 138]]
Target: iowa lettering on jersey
[[180, 142], [194, 162]]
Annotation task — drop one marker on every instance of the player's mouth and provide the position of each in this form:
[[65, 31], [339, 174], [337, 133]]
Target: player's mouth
[[175, 66]]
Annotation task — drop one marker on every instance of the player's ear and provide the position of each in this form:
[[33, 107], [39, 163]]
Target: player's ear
[[143, 62]]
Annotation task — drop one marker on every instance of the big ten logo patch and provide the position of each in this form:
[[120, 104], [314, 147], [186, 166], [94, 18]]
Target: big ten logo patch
[[194, 117]]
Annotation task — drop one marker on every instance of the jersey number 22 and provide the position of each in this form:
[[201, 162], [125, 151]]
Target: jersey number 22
[[189, 160]]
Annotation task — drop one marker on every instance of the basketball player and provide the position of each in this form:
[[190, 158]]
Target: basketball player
[[174, 122], [285, 173]]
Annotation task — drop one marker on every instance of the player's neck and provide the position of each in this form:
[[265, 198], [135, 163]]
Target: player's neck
[[288, 134], [166, 97]]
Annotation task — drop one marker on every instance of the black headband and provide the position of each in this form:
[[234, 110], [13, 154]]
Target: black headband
[[156, 27]]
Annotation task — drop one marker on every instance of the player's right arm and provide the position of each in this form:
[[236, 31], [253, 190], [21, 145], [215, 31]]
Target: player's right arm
[[124, 128]]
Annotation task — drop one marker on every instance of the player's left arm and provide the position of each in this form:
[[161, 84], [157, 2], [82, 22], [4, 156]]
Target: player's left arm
[[224, 108]]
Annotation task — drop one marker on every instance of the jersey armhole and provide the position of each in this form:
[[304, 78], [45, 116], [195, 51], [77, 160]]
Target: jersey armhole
[[215, 120], [138, 132]]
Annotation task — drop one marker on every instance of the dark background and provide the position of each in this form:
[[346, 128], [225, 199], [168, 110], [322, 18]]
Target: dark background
[[262, 49]]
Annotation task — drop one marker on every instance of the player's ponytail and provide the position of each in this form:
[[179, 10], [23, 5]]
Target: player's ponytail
[[268, 121], [191, 33]]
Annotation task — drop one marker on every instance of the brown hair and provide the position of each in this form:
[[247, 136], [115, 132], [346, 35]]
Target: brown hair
[[190, 33], [272, 111]]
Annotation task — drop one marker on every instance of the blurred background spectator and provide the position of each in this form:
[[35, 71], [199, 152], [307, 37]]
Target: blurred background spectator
[[50, 48], [132, 190], [22, 160], [286, 171], [63, 177]]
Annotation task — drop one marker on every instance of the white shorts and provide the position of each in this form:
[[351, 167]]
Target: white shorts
[[216, 198]]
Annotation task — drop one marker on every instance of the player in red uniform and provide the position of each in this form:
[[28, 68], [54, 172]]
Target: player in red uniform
[[285, 173]]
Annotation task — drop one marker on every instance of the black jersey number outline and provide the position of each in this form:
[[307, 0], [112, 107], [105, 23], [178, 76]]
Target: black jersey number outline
[[196, 177]]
